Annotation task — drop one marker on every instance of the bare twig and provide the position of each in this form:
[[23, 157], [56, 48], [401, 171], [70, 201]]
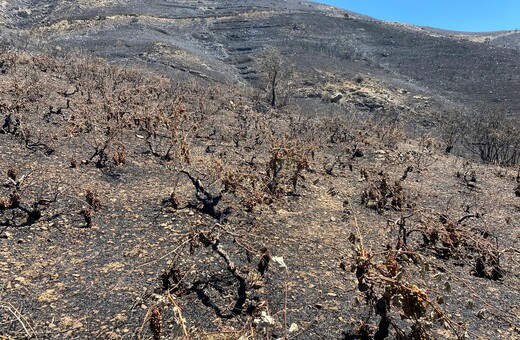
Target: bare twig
[[29, 331], [180, 319]]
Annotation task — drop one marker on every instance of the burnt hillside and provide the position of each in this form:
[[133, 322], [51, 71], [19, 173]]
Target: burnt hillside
[[219, 40], [151, 187]]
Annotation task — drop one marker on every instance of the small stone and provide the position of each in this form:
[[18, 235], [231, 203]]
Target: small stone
[[294, 328], [358, 153], [264, 320], [470, 304], [336, 98]]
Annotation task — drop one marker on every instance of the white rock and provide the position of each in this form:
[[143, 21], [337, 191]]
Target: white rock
[[294, 328], [279, 260]]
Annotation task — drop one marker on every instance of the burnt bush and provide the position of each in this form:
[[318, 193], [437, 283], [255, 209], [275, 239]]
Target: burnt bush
[[491, 136]]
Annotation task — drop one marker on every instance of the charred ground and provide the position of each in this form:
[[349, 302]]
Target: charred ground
[[137, 203], [219, 41]]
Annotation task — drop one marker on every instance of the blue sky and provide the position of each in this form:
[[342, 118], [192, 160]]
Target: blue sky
[[459, 15]]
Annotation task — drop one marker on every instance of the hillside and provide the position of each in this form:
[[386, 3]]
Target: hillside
[[149, 190], [508, 39], [219, 40]]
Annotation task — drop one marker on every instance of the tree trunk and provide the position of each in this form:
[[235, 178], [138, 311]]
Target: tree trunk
[[273, 89]]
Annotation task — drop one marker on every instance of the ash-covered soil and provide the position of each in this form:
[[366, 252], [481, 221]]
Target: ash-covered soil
[[219, 40], [133, 206], [154, 193]]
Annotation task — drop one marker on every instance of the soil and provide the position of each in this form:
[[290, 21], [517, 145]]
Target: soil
[[155, 193]]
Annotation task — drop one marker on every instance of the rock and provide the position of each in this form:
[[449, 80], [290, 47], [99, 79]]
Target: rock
[[23, 14], [336, 98], [294, 328], [358, 153], [374, 106], [325, 95], [264, 320], [279, 260]]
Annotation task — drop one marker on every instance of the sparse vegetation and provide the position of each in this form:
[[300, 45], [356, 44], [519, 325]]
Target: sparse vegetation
[[134, 204], [490, 136]]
